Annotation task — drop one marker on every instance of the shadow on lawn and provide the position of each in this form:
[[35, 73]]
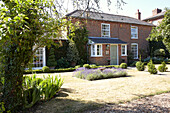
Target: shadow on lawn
[[61, 103]]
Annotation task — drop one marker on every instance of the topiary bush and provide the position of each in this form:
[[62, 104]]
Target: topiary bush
[[162, 67], [151, 68], [140, 66], [46, 69], [123, 65], [86, 66], [51, 62]]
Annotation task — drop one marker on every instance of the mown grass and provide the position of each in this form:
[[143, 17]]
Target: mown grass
[[79, 95]]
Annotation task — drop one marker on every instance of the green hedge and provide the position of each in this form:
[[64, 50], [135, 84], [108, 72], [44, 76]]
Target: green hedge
[[50, 71], [64, 69]]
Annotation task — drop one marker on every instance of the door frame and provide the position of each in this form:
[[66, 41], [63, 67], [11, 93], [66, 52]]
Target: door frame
[[117, 53]]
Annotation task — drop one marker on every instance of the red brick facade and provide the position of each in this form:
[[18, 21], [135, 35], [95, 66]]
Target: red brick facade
[[121, 31]]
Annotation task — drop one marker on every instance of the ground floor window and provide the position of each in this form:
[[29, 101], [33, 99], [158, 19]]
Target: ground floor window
[[39, 58], [96, 50], [124, 50], [134, 50]]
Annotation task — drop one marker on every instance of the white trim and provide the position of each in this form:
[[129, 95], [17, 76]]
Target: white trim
[[137, 48], [95, 49], [44, 57], [125, 50], [131, 32], [101, 29], [117, 52]]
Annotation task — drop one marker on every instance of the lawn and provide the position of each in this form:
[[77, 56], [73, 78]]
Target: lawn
[[79, 95]]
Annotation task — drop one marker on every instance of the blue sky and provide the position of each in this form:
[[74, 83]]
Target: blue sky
[[144, 6]]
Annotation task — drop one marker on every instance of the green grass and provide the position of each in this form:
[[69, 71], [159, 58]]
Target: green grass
[[79, 95]]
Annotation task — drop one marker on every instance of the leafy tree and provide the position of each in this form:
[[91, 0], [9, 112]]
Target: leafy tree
[[162, 32], [24, 24], [80, 38], [72, 53]]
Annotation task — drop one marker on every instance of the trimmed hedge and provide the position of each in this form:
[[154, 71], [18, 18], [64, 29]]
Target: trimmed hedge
[[50, 71], [65, 69]]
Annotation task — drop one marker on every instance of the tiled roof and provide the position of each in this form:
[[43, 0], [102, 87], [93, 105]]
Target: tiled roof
[[158, 16], [106, 17], [106, 40]]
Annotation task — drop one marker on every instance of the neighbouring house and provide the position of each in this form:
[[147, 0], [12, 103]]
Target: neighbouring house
[[113, 37], [156, 18]]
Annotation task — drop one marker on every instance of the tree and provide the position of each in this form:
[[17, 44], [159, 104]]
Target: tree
[[51, 59], [24, 24], [72, 53], [162, 32], [80, 38]]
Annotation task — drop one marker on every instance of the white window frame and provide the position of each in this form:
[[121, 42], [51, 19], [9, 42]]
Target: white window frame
[[135, 33], [44, 59], [95, 50], [125, 50], [137, 49], [102, 30]]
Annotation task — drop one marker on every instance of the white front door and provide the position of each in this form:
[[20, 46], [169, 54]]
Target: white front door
[[113, 55]]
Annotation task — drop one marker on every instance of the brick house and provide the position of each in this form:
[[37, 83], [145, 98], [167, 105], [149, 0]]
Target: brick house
[[156, 18], [113, 37]]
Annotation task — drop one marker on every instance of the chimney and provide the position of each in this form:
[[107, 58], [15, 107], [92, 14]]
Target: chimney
[[156, 11], [138, 15]]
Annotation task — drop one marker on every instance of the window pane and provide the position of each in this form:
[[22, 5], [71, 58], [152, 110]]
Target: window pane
[[105, 30], [38, 58], [134, 32], [134, 51], [123, 49]]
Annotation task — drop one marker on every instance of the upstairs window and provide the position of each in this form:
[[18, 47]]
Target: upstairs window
[[105, 30], [134, 32], [134, 50], [124, 50], [96, 50]]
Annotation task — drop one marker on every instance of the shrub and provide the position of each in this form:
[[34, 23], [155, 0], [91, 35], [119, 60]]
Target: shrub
[[140, 66], [51, 62], [93, 74], [62, 63], [123, 65], [45, 69], [93, 66], [37, 88], [78, 66], [162, 67], [86, 66], [151, 68], [159, 53]]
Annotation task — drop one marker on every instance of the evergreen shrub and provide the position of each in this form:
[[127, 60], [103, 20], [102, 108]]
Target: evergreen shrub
[[140, 66]]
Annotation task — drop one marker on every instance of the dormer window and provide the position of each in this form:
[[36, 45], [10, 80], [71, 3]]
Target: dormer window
[[105, 30], [134, 32]]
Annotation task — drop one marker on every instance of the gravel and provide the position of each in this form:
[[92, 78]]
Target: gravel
[[153, 104]]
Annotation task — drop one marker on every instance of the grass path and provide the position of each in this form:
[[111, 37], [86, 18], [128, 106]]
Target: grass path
[[81, 95]]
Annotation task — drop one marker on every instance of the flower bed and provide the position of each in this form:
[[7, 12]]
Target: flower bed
[[99, 73]]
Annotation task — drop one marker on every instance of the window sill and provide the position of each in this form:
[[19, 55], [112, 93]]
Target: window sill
[[134, 38], [123, 55], [136, 58], [97, 56]]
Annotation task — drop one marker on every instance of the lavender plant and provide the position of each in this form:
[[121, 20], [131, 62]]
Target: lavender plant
[[94, 74]]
